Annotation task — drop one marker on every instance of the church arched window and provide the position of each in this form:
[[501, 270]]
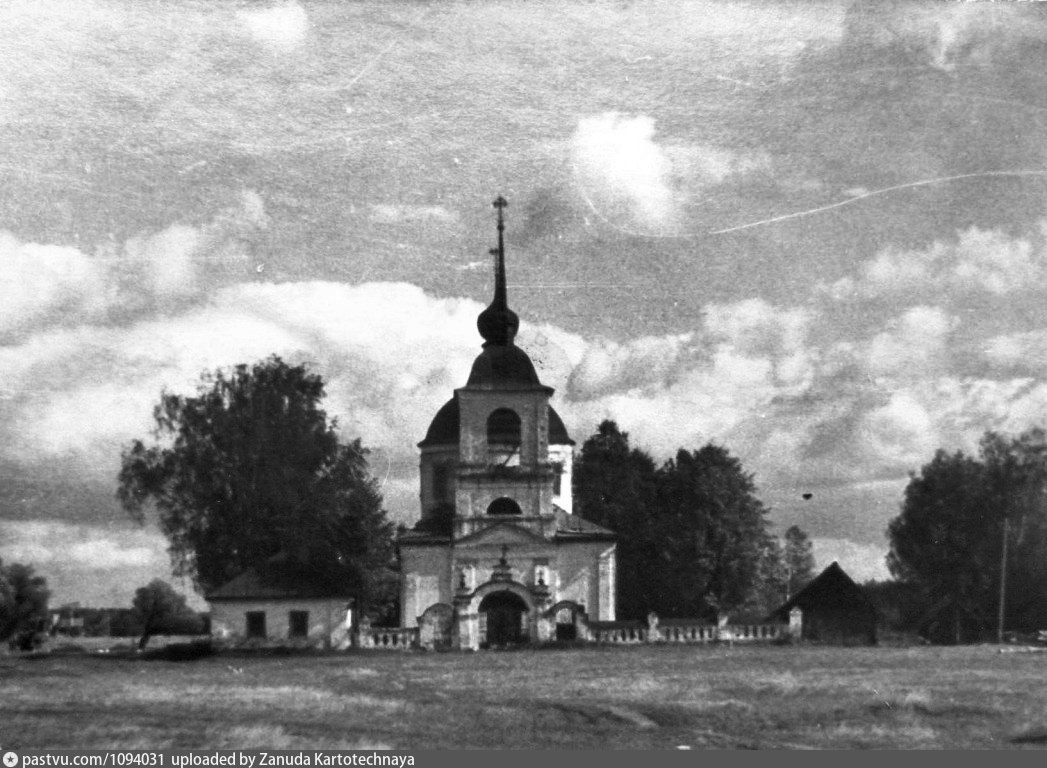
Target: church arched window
[[441, 481], [504, 506], [503, 427]]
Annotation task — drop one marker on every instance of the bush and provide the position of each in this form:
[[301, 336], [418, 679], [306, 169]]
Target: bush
[[197, 649]]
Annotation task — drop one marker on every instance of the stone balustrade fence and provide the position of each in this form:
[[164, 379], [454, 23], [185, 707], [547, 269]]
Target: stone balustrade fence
[[674, 631], [387, 638]]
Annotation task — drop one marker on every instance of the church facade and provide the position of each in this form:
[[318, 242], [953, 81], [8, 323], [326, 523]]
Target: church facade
[[498, 557]]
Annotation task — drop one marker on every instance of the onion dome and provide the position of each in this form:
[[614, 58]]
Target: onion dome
[[498, 324]]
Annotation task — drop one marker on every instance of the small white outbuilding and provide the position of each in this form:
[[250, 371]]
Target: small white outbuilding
[[251, 611]]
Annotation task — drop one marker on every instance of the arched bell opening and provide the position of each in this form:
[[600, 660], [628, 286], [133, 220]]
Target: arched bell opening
[[504, 506], [504, 431]]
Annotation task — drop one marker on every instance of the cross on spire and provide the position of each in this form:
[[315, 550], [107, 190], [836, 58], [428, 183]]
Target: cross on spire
[[500, 203], [498, 324]]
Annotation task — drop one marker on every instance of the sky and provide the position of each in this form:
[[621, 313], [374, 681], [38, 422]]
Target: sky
[[812, 232]]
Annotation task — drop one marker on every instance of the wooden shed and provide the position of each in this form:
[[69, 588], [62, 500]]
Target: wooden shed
[[835, 610]]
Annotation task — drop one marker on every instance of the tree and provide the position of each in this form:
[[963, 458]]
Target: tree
[[1016, 469], [798, 559], [938, 542], [250, 473], [771, 580], [691, 534], [614, 487], [23, 604], [158, 608], [972, 535], [719, 531]]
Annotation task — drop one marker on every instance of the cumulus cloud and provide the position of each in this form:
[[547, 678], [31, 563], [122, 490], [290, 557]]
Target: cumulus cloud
[[622, 171], [900, 432], [608, 366], [281, 26], [912, 345], [390, 353], [43, 281], [47, 285], [84, 546], [755, 328], [629, 179], [748, 376], [976, 261], [1023, 352], [705, 165], [715, 383]]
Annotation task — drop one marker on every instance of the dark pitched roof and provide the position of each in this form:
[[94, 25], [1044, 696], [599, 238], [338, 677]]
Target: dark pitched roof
[[575, 527], [445, 426], [274, 585], [832, 588]]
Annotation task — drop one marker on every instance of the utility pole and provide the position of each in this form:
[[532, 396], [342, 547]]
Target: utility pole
[[1003, 581]]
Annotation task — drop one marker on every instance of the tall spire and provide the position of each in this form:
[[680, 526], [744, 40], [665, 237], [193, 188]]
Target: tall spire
[[500, 204], [498, 324]]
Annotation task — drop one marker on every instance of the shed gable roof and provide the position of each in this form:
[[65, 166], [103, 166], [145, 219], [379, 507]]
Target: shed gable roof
[[832, 588], [274, 585]]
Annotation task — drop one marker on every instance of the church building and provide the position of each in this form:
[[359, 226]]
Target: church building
[[497, 557]]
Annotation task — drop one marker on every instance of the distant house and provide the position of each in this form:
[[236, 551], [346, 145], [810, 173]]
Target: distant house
[[67, 620], [252, 610], [835, 610]]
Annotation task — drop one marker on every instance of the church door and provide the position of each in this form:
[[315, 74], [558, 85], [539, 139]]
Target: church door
[[505, 614]]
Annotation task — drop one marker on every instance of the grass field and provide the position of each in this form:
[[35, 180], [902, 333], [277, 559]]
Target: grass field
[[767, 697]]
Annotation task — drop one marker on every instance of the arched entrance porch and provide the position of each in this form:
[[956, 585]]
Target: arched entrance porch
[[496, 614], [504, 620]]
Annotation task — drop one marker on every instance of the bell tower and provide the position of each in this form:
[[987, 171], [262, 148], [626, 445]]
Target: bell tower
[[497, 556], [504, 472]]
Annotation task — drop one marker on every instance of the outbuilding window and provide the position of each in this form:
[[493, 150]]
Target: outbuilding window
[[256, 624], [298, 625]]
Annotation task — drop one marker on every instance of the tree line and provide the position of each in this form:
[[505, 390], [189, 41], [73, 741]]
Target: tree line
[[693, 537], [25, 618], [250, 473], [968, 550]]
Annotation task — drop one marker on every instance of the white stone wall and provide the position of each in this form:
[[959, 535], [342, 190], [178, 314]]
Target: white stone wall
[[585, 575], [608, 588], [564, 456], [583, 572], [327, 620], [426, 580], [475, 495], [431, 457]]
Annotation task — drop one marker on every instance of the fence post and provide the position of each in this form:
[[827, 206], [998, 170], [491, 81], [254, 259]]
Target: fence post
[[796, 623], [653, 633]]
